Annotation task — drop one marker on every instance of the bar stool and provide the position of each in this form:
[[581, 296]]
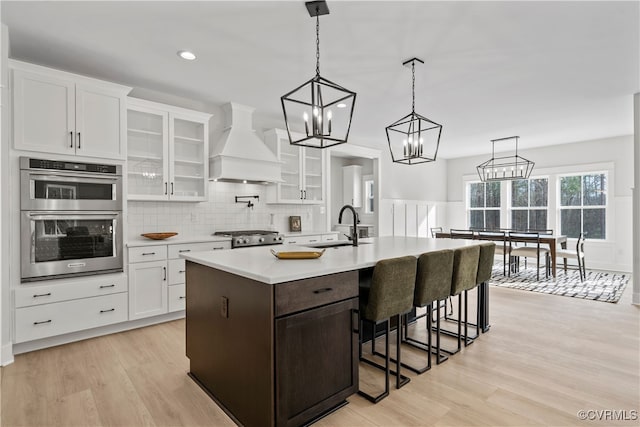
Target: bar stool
[[465, 271], [391, 294], [485, 269], [433, 284]]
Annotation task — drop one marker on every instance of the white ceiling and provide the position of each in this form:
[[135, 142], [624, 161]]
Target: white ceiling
[[551, 72]]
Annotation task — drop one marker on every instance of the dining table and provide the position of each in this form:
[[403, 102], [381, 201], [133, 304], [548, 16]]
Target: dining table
[[553, 240]]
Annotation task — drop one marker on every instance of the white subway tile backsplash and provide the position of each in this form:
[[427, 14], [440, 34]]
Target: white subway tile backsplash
[[219, 213]]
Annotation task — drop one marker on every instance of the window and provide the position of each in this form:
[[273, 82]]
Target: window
[[369, 197], [529, 202], [484, 205], [583, 203]]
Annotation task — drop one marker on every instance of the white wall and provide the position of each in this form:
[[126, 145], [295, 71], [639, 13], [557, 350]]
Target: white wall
[[636, 198], [616, 252]]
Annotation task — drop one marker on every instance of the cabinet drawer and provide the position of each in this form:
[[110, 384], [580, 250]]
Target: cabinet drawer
[[148, 253], [177, 271], [177, 297], [69, 316], [330, 237], [176, 250], [308, 293], [303, 240], [68, 289]]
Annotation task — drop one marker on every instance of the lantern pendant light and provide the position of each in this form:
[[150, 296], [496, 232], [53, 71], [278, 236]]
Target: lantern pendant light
[[413, 139], [318, 113], [505, 167]]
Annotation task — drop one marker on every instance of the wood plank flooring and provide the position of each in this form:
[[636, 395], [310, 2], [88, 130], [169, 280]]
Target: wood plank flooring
[[545, 358]]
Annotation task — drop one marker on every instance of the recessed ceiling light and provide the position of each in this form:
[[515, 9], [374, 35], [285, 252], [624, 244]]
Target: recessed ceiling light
[[341, 105], [185, 54]]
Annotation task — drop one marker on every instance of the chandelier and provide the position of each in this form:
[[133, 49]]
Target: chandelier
[[413, 139], [318, 113], [505, 167]]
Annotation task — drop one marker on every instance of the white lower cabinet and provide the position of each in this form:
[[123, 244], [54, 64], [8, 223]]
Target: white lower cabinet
[[69, 305], [157, 277], [147, 289]]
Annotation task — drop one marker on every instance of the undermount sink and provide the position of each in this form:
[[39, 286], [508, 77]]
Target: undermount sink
[[335, 244]]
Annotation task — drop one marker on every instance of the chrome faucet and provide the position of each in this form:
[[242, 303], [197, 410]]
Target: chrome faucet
[[354, 234]]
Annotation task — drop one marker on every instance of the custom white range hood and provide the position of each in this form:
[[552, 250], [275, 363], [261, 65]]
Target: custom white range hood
[[240, 155]]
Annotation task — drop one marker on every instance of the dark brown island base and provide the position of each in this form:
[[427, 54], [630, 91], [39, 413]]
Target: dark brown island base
[[275, 342]]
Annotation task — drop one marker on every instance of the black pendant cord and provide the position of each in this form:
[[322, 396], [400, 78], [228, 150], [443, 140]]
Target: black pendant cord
[[317, 41], [413, 87]]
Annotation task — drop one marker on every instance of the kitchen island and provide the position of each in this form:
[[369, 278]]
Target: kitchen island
[[275, 342]]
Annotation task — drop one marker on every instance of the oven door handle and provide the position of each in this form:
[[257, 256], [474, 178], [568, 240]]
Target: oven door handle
[[39, 216], [83, 177]]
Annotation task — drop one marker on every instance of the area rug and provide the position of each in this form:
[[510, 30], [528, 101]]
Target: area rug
[[599, 285]]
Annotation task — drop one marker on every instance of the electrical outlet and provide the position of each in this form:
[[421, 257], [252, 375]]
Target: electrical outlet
[[224, 307]]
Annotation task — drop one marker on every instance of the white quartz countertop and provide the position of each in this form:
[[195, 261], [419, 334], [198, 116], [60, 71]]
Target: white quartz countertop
[[175, 240], [259, 264]]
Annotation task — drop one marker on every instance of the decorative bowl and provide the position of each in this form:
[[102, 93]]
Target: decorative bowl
[[159, 236], [298, 254]]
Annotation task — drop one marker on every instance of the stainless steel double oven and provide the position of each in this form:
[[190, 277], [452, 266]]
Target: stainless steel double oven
[[71, 219]]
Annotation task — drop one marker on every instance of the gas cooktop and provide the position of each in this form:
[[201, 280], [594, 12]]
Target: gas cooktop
[[244, 238]]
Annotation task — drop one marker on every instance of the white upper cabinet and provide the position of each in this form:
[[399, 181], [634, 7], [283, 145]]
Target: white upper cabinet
[[62, 113], [167, 152], [302, 171], [352, 185]]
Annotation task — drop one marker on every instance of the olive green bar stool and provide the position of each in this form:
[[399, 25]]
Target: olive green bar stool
[[433, 285], [465, 271], [485, 269], [390, 295]]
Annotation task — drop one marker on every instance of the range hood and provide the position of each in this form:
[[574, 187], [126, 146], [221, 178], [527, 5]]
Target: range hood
[[240, 155]]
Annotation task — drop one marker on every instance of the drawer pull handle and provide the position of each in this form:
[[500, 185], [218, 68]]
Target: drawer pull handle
[[182, 271], [217, 248], [184, 250], [106, 311], [48, 294], [323, 290], [107, 286], [164, 269], [43, 322], [148, 253], [181, 297], [312, 240]]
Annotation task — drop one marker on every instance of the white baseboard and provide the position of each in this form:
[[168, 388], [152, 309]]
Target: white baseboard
[[86, 334]]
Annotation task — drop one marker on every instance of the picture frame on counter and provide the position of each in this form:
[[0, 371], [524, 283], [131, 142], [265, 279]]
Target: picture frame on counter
[[295, 223]]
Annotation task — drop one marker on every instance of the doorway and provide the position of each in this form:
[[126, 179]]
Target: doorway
[[353, 179]]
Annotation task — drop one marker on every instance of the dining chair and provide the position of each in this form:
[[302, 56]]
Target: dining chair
[[535, 251], [500, 238], [435, 230], [461, 234], [577, 255]]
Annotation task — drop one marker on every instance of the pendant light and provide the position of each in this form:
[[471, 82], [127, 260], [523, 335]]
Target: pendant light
[[505, 167], [413, 139], [318, 113]]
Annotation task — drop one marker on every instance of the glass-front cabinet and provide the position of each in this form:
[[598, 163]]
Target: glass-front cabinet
[[302, 171], [167, 152]]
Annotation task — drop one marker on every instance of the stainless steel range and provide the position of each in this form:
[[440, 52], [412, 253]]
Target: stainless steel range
[[245, 238]]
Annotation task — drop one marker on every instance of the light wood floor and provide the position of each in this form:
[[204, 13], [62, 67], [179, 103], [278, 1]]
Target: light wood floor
[[545, 358]]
